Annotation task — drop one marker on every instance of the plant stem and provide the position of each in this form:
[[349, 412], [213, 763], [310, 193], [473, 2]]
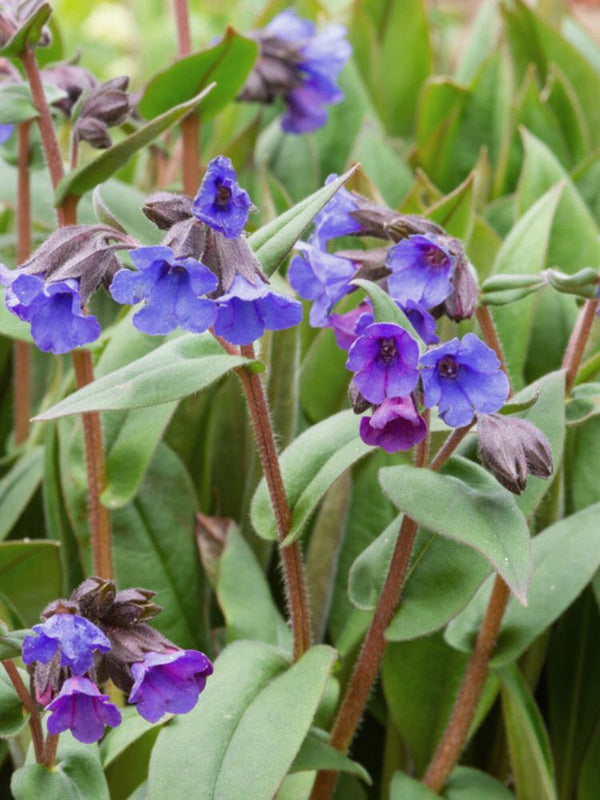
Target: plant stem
[[488, 329], [295, 582], [22, 350], [455, 735], [577, 342], [50, 750], [37, 737], [190, 125]]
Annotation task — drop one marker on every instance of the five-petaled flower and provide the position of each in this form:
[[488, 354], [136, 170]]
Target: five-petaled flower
[[421, 271], [75, 637], [81, 708], [394, 425], [221, 202], [322, 278]]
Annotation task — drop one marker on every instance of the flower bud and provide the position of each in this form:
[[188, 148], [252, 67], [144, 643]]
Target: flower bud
[[511, 449], [582, 284], [72, 79], [165, 209], [359, 403], [105, 106], [462, 300]]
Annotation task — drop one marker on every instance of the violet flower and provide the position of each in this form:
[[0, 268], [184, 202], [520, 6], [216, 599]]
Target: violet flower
[[421, 320], [421, 271], [335, 219], [220, 202], [75, 637], [322, 278], [6, 132], [247, 309], [395, 425], [82, 709], [349, 326], [168, 682], [53, 309], [384, 359], [172, 290], [463, 377]]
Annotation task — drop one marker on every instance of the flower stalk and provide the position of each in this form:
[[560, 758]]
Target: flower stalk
[[190, 125], [22, 350], [577, 342], [35, 726]]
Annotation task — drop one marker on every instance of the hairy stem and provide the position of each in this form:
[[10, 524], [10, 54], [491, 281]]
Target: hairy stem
[[295, 582], [50, 750], [463, 713], [22, 350], [35, 726], [488, 329], [577, 342], [190, 126]]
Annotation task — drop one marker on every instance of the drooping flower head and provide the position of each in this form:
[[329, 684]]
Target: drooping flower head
[[73, 636], [349, 326], [53, 309], [394, 425], [221, 202], [463, 377], [320, 277], [81, 708], [384, 359], [168, 682], [421, 320], [172, 289], [421, 271], [247, 309]]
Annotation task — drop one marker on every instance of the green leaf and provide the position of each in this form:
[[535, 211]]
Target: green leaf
[[12, 326], [103, 166], [28, 33], [467, 504], [316, 754], [530, 754], [386, 310], [16, 103], [456, 211], [589, 778], [466, 783], [320, 399], [180, 367], [273, 241], [17, 487], [583, 404], [242, 715], [30, 577], [11, 642], [309, 467], [12, 715], [403, 787], [227, 64]]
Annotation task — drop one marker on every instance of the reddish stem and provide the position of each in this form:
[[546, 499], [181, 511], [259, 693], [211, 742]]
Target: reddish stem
[[488, 329], [578, 341], [50, 750], [22, 350], [37, 737], [190, 126]]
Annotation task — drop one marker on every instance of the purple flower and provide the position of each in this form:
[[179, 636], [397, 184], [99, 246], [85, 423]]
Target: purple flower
[[81, 708], [384, 359], [172, 289], [421, 320], [58, 323], [221, 202], [395, 425], [76, 638], [336, 218], [247, 309], [168, 682], [421, 271], [5, 132], [320, 277], [349, 326], [463, 377]]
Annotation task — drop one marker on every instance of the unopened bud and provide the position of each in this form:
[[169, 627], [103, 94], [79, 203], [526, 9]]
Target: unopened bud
[[582, 284], [462, 300], [499, 290], [72, 79], [357, 401], [105, 106], [165, 209], [94, 132]]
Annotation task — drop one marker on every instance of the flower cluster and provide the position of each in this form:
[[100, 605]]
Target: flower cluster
[[98, 634], [300, 65]]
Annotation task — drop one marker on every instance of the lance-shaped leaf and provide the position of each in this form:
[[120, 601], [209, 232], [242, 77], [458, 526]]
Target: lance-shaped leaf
[[309, 467], [176, 369], [29, 32], [30, 577], [227, 64], [18, 486], [273, 241], [316, 753], [16, 103], [467, 504], [89, 175]]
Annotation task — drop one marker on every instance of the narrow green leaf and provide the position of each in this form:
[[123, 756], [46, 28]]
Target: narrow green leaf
[[103, 166], [467, 504], [316, 754], [309, 467], [226, 63], [30, 577], [28, 33], [386, 310], [466, 783], [18, 486], [180, 367], [273, 241], [243, 713], [11, 642], [403, 787]]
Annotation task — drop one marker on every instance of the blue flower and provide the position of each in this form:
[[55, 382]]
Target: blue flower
[[53, 309], [76, 638], [82, 709], [172, 289], [421, 320], [168, 682], [394, 425], [463, 377], [421, 271], [220, 201], [320, 277], [384, 359], [349, 326], [247, 309], [5, 132], [335, 219]]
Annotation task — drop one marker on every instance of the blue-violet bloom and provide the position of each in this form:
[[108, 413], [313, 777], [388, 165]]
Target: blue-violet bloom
[[322, 278], [384, 359], [82, 709], [463, 377], [247, 309], [421, 320], [335, 219], [395, 425], [168, 682], [6, 132], [76, 637], [53, 309], [221, 202], [172, 289], [349, 326], [421, 271]]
